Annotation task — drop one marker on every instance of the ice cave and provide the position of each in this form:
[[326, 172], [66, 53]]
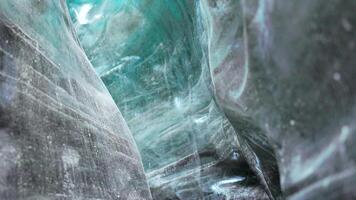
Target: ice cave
[[177, 99]]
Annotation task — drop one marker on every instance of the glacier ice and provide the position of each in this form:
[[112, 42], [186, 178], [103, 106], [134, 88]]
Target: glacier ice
[[61, 134], [268, 69], [150, 56], [284, 70], [225, 99]]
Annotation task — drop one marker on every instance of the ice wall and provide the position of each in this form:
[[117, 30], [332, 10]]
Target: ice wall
[[61, 134], [284, 70], [149, 55]]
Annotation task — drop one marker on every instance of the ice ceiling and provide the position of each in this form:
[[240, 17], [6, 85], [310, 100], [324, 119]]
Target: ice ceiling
[[177, 99]]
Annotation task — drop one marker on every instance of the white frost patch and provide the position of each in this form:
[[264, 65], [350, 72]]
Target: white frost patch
[[337, 76], [345, 132], [235, 156], [219, 186], [70, 157], [82, 14], [178, 103], [201, 119]]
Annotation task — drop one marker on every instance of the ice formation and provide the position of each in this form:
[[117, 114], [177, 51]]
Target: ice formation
[[61, 134], [223, 99]]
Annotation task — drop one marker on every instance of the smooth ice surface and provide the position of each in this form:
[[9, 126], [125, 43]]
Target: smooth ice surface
[[61, 134], [150, 56], [286, 71]]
